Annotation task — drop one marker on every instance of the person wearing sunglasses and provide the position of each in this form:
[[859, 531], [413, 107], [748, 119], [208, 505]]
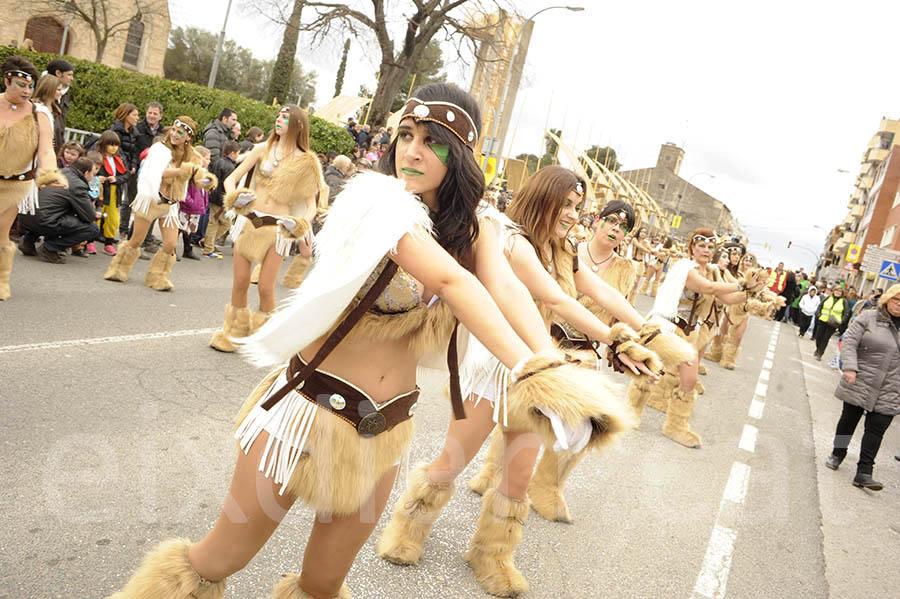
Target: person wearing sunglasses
[[683, 305], [165, 173], [26, 144]]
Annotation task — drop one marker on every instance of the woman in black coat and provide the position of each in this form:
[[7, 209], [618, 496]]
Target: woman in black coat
[[870, 354], [127, 116]]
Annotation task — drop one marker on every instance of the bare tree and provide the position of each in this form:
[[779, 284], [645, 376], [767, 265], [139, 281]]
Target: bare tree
[[105, 18], [424, 20]]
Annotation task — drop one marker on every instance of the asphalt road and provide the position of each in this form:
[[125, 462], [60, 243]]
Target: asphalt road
[[117, 424]]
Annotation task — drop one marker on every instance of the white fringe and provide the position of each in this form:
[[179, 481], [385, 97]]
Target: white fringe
[[283, 244], [289, 423], [238, 225], [171, 219], [485, 377], [30, 203]]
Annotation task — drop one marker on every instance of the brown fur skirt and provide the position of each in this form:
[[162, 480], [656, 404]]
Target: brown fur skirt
[[337, 469], [156, 211], [11, 193], [254, 243]]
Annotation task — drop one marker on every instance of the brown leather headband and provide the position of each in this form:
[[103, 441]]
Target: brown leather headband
[[446, 114]]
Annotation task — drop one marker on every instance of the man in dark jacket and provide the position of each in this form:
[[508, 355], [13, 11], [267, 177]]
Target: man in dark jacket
[[146, 130], [65, 217], [65, 72], [216, 133], [336, 175], [218, 223]]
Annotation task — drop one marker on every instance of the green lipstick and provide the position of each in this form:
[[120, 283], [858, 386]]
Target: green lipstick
[[412, 171]]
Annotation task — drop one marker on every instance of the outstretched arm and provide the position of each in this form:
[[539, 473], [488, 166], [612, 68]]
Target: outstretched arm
[[606, 296]]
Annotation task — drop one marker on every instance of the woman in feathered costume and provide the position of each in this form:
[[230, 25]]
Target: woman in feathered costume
[[391, 274], [26, 144], [542, 257], [271, 213], [684, 305], [170, 165]]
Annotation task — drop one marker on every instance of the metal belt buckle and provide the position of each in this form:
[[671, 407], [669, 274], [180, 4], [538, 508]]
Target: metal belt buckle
[[257, 221], [372, 424]]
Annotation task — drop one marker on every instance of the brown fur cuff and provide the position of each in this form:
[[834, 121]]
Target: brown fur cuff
[[621, 332], [51, 176], [299, 231], [231, 197], [639, 353], [204, 175]]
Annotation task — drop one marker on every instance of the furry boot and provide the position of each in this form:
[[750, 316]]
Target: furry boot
[[546, 487], [644, 287], [403, 540], [166, 573], [489, 475], [699, 388], [237, 324], [715, 350], [729, 355], [701, 369], [639, 392], [7, 253], [158, 274], [491, 549], [655, 288], [254, 276], [122, 262], [296, 272], [258, 319], [678, 416], [289, 588]]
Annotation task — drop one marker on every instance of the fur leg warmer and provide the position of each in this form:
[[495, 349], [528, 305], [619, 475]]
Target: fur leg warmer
[[678, 416], [655, 288], [403, 540], [158, 274], [700, 388], [237, 324], [701, 369], [296, 272], [546, 487], [644, 287], [258, 319], [729, 355], [166, 573], [122, 262], [491, 549], [658, 398], [715, 350], [489, 475], [639, 391], [7, 253], [289, 588]]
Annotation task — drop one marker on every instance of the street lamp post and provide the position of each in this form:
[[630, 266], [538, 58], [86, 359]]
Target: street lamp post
[[215, 65], [512, 58]]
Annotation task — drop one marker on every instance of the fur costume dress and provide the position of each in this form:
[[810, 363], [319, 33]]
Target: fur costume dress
[[289, 184], [20, 181], [148, 205], [564, 419]]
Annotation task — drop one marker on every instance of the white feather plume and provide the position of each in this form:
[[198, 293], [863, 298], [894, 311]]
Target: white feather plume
[[669, 293], [366, 221]]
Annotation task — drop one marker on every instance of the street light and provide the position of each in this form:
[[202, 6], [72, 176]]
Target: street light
[[509, 69]]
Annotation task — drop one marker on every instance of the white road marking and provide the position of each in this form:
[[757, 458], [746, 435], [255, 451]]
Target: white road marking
[[716, 564], [770, 355], [767, 363], [756, 409], [9, 349], [764, 375], [761, 389], [736, 488], [748, 438]]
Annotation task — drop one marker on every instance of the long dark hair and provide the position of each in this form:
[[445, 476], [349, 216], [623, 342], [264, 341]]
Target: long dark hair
[[463, 185]]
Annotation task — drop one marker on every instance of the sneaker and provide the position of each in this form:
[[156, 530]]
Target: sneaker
[[145, 255], [90, 248], [26, 246], [109, 250], [51, 256], [214, 254], [80, 253]]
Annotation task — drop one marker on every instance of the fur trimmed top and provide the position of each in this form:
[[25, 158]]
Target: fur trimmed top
[[621, 275], [294, 180]]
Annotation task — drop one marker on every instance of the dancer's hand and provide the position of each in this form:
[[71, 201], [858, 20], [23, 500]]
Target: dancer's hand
[[638, 368]]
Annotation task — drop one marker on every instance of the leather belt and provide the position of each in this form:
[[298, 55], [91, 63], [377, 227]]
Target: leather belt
[[262, 221], [164, 200], [29, 176], [351, 405]]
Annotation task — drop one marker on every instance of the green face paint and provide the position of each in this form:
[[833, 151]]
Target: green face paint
[[441, 151]]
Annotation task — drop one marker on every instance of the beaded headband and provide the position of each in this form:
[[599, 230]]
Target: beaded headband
[[184, 126], [446, 114], [17, 73]]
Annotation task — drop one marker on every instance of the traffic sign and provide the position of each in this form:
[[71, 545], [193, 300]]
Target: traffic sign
[[889, 270], [875, 255], [676, 221], [853, 253]]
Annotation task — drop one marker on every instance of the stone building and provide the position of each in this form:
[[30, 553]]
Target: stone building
[[677, 196], [138, 44]]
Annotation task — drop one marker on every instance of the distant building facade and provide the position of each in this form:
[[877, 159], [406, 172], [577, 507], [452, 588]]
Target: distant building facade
[[678, 197], [140, 44]]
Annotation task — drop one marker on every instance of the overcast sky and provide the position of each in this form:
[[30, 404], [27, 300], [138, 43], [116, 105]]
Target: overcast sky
[[770, 97]]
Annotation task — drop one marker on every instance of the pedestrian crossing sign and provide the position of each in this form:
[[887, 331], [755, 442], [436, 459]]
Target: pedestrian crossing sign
[[889, 270]]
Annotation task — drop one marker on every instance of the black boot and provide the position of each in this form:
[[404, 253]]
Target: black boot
[[26, 245], [865, 481], [188, 251], [833, 462]]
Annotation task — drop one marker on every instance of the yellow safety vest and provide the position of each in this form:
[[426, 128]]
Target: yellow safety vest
[[829, 308], [772, 277]]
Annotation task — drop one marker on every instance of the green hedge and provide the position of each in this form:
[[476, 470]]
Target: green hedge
[[99, 89]]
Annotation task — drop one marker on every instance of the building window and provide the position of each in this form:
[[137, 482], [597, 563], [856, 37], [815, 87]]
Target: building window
[[896, 200], [886, 140], [134, 42], [45, 33], [668, 158], [662, 185], [888, 237]]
